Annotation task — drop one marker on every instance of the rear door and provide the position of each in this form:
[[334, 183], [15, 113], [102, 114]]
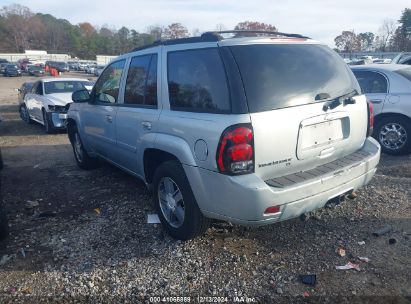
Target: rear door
[[287, 86], [137, 117], [375, 86], [99, 116]]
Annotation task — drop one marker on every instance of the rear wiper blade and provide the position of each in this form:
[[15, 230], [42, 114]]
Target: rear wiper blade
[[344, 100]]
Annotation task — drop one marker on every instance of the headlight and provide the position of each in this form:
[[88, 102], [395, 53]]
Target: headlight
[[58, 109]]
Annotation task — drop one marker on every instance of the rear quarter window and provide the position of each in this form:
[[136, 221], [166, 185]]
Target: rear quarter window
[[197, 81], [406, 73], [284, 75]]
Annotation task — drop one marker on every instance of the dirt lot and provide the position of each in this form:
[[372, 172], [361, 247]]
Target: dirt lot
[[82, 235]]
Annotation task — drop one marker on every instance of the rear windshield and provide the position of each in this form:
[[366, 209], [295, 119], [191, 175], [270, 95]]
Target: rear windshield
[[405, 73], [284, 75], [64, 86]]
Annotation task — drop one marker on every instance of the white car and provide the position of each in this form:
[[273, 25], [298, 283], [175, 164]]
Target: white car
[[48, 101]]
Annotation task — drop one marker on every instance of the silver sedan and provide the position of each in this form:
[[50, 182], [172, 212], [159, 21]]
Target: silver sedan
[[388, 88]]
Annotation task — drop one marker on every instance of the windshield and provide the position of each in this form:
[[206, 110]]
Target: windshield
[[285, 75], [64, 86]]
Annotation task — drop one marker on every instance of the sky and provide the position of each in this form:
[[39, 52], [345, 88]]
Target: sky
[[322, 20]]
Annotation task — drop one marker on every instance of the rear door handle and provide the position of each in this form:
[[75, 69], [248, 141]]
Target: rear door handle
[[109, 118], [146, 125]]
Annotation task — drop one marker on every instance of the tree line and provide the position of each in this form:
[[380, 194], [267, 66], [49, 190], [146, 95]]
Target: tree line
[[391, 37], [21, 29]]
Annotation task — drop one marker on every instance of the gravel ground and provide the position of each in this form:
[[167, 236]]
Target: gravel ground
[[83, 236]]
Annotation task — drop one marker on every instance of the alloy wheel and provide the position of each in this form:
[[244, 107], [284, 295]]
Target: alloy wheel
[[171, 202], [393, 136]]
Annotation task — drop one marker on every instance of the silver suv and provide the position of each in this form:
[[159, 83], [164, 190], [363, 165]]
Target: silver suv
[[247, 127]]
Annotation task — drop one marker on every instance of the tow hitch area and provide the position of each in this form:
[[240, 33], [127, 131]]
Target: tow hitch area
[[334, 201]]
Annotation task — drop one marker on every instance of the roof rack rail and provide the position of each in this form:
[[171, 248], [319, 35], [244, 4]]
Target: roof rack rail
[[216, 36], [256, 32], [206, 37]]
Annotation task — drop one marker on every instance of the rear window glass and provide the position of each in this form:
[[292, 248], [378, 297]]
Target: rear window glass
[[405, 73], [197, 81], [284, 75]]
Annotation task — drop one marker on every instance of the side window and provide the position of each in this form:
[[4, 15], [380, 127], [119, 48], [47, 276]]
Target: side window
[[108, 85], [34, 88], [371, 82], [197, 81], [408, 61], [40, 88], [141, 84]]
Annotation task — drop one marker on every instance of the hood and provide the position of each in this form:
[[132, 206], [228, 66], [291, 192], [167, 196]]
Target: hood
[[60, 99]]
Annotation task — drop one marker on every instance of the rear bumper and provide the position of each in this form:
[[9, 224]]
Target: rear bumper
[[243, 199]]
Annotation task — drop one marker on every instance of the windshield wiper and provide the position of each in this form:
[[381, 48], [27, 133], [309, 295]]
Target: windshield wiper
[[333, 103]]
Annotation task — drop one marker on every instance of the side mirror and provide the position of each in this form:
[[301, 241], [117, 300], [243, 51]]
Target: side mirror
[[80, 96]]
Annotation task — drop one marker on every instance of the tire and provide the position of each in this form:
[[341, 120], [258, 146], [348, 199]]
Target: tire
[[394, 135], [48, 124], [24, 114], [180, 217], [4, 228], [83, 160], [1, 161]]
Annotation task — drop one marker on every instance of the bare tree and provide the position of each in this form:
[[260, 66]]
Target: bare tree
[[195, 32], [156, 31], [175, 30], [17, 20], [220, 27], [385, 33]]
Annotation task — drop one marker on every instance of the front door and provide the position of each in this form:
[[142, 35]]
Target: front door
[[99, 115]]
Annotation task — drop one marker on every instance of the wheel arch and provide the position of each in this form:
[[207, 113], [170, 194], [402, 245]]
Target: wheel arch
[[152, 159], [381, 116], [71, 126]]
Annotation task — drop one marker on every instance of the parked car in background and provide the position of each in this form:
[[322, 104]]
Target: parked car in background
[[61, 66], [381, 61], [402, 58], [232, 129], [24, 89], [98, 69], [388, 89], [73, 65], [11, 70], [90, 69], [2, 60], [35, 70], [3, 66], [48, 101], [89, 85], [82, 66], [24, 63]]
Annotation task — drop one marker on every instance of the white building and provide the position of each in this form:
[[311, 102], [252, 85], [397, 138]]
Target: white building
[[34, 55]]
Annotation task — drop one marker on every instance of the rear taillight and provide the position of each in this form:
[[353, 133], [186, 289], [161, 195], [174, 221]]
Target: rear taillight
[[370, 127], [235, 153]]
